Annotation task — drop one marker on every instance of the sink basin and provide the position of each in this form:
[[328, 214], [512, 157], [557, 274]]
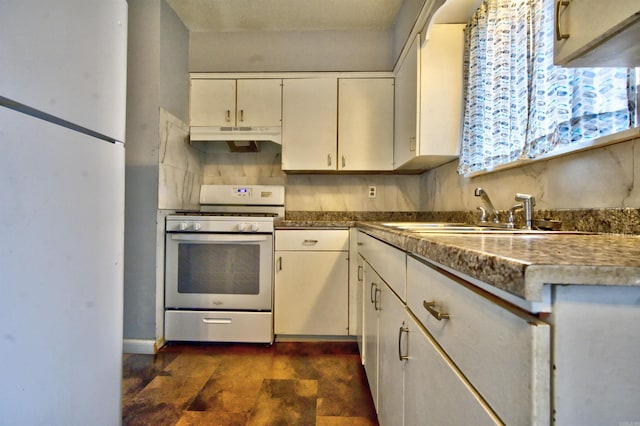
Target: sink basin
[[463, 228]]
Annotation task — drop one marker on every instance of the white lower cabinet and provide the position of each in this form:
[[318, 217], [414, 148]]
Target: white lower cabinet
[[457, 355], [435, 393], [485, 363], [391, 367], [371, 289], [502, 351], [311, 282]]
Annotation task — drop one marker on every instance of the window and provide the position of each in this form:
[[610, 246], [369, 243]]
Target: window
[[518, 105]]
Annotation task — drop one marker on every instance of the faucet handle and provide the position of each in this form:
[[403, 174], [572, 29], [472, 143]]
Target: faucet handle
[[483, 214], [511, 214]]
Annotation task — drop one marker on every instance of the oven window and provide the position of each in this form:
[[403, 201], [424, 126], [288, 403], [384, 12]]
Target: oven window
[[219, 268]]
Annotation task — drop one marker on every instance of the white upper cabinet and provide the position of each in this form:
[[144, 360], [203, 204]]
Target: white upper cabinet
[[332, 124], [365, 124], [597, 33], [406, 106], [230, 102], [429, 100], [309, 124]]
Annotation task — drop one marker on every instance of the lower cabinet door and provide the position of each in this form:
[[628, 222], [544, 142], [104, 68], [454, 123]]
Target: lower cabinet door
[[311, 293], [435, 392], [391, 374], [371, 287]]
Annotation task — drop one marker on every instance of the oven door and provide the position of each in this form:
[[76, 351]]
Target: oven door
[[219, 271]]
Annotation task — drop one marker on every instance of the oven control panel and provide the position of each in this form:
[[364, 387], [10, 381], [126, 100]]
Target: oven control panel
[[242, 191], [221, 224]]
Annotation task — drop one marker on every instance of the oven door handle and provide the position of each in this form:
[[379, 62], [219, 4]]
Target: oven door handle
[[215, 238]]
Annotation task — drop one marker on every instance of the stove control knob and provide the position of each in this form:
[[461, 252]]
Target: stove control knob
[[196, 226], [182, 226], [242, 227], [254, 227]]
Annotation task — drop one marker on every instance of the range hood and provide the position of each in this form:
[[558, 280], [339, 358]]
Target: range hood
[[242, 133]]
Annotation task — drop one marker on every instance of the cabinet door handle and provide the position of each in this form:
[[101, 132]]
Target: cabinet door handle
[[241, 115], [559, 34], [371, 292], [344, 162], [376, 299], [329, 160], [360, 272], [403, 329], [227, 115], [430, 307], [279, 263]]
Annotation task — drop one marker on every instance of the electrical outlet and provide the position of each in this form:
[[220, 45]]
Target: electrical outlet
[[372, 191]]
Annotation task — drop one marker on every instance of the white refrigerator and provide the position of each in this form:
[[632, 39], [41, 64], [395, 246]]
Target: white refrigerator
[[62, 127]]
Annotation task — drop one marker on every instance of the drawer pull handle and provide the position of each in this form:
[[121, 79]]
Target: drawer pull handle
[[216, 320], [360, 276], [310, 242], [430, 307], [403, 329]]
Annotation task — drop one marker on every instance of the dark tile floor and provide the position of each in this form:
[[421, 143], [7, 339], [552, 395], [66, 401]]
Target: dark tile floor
[[289, 383]]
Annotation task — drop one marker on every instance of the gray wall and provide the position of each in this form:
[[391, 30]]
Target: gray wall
[[291, 51], [157, 76], [174, 64]]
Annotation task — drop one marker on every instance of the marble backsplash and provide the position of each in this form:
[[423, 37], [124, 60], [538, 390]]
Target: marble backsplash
[[180, 168], [315, 192], [607, 177], [596, 190]]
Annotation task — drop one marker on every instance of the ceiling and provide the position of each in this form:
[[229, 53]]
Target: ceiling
[[286, 15]]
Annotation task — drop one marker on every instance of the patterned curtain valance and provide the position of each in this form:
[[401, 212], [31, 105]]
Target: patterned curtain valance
[[517, 103]]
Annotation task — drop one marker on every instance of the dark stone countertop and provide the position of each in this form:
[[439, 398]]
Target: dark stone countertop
[[521, 264]]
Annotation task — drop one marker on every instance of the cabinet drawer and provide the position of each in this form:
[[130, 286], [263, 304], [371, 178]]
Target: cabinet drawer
[[312, 239], [504, 352], [388, 261]]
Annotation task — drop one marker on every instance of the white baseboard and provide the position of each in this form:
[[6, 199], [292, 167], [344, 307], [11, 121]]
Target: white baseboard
[[140, 346]]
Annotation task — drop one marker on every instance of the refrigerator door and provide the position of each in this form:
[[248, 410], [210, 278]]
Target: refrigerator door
[[67, 58], [61, 274]]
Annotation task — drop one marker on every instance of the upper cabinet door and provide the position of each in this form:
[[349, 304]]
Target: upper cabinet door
[[407, 106], [212, 102], [441, 99], [259, 102], [251, 103], [365, 124], [309, 124], [597, 33]]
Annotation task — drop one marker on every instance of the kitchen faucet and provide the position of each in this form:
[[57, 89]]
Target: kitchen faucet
[[488, 209], [490, 214]]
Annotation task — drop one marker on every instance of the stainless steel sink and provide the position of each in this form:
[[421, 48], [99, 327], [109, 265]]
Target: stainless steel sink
[[463, 228]]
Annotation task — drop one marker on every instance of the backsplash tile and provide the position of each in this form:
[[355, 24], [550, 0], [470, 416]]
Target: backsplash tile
[[180, 168], [607, 177]]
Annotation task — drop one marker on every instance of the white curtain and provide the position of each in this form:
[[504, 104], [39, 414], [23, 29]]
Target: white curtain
[[517, 103]]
